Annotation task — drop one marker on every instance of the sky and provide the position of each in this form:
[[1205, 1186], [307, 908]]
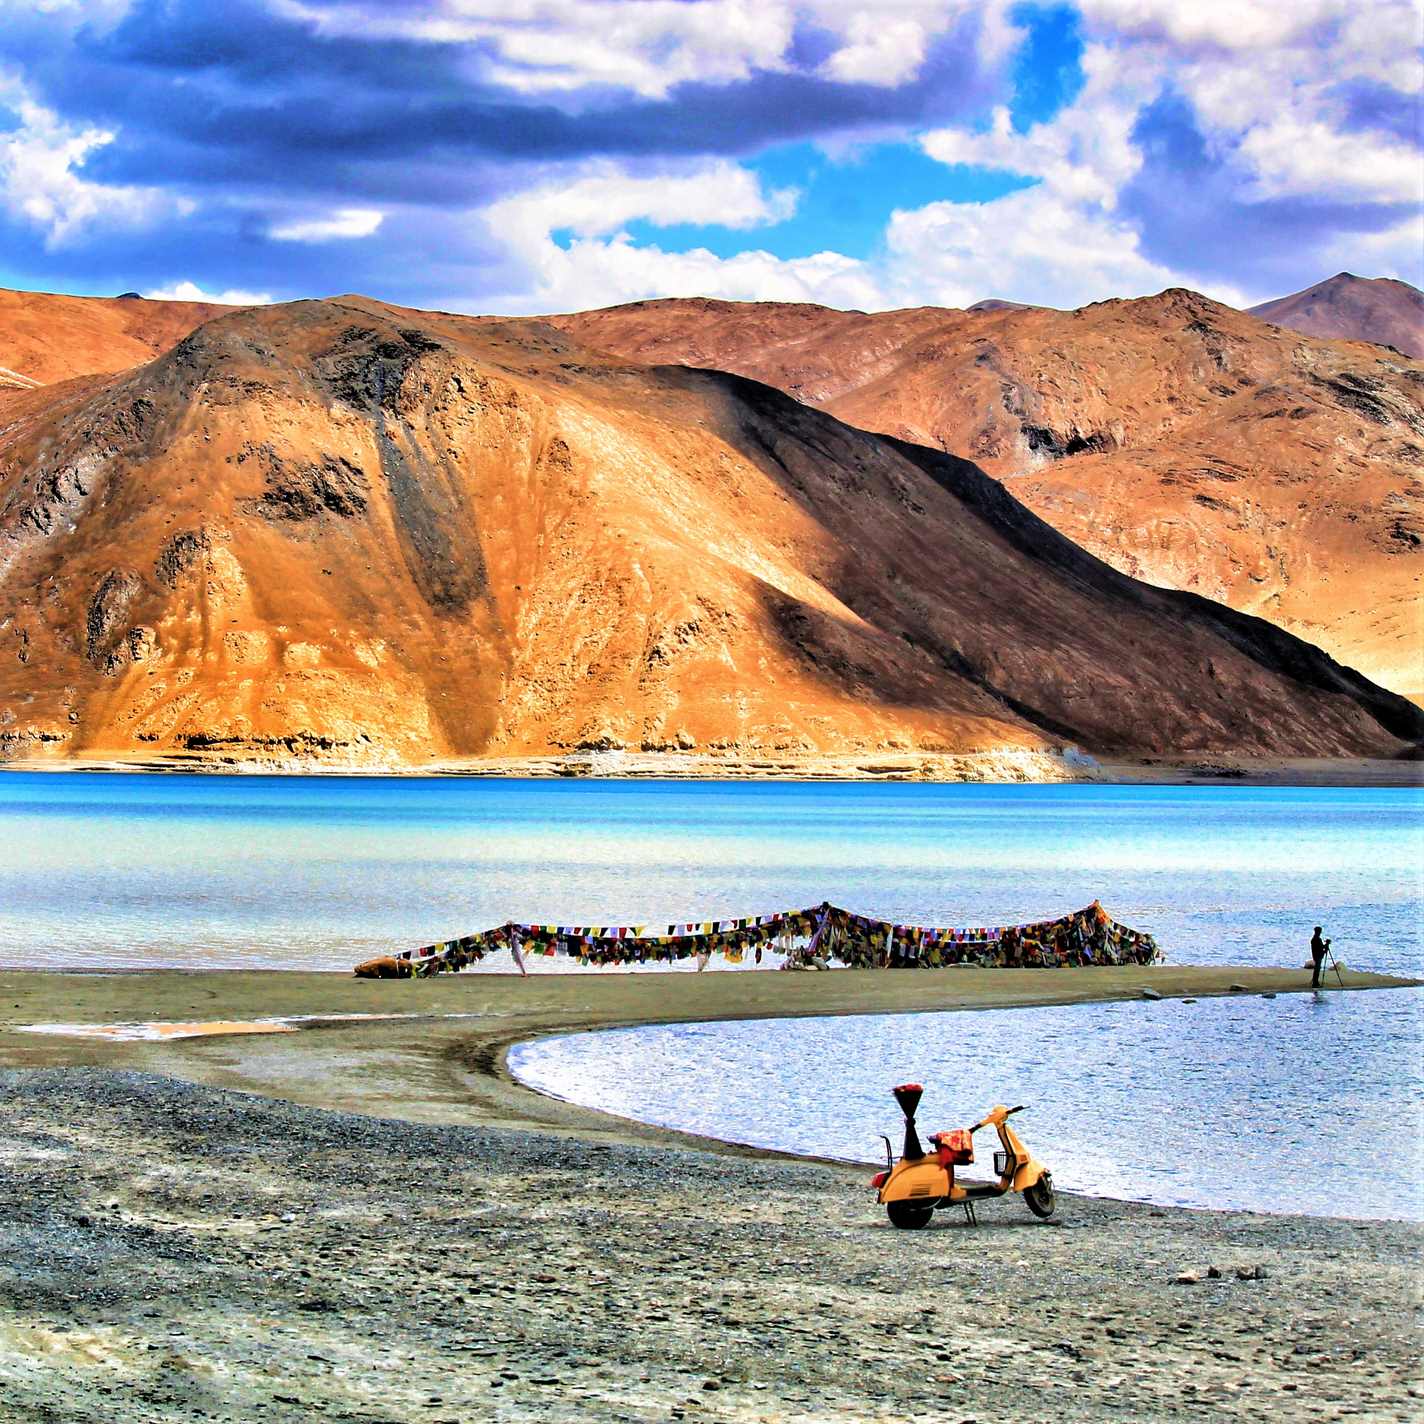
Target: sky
[[529, 156]]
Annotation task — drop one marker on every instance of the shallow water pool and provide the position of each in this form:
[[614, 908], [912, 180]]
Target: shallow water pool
[[1309, 1103]]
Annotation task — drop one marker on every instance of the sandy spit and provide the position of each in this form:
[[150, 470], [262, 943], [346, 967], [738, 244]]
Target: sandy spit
[[367, 1220]]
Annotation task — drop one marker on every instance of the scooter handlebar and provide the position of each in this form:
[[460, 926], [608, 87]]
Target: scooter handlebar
[[1008, 1112]]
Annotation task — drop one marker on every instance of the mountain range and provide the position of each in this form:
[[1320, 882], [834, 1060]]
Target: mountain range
[[370, 535], [1184, 442], [45, 337], [1350, 308]]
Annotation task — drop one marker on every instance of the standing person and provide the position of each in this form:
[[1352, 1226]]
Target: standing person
[[1318, 948]]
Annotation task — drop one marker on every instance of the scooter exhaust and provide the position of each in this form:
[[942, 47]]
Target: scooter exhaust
[[908, 1095]]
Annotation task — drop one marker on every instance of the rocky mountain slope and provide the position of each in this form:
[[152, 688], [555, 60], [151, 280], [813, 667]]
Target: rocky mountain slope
[[371, 534], [1350, 308], [1184, 442]]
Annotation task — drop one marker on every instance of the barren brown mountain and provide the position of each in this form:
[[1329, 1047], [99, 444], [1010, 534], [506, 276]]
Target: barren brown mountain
[[342, 528], [1184, 442], [46, 338], [1350, 308]]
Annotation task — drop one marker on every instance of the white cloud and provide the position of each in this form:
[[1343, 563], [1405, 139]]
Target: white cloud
[[1040, 245], [186, 291], [1382, 42], [1240, 25], [604, 198], [879, 49], [1036, 245], [344, 223], [651, 46], [540, 46], [96, 16], [604, 272], [1263, 81], [885, 43], [1292, 155], [40, 179], [1085, 151], [601, 265], [1278, 118], [1059, 242]]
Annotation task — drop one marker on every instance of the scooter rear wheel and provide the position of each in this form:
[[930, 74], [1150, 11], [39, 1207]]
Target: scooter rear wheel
[[908, 1216], [1040, 1198]]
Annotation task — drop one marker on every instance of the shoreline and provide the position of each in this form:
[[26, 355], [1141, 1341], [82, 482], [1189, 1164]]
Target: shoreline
[[1005, 767], [456, 1031], [373, 1220]]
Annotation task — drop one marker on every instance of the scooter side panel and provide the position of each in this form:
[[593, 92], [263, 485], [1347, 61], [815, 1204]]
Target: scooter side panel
[[923, 1181]]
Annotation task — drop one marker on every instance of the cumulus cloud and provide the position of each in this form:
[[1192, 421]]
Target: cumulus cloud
[[605, 197], [1282, 118], [41, 182], [563, 45], [1293, 155], [344, 223], [651, 47], [1240, 26], [1060, 242], [604, 272], [1215, 133], [601, 265], [187, 291], [1036, 245], [1085, 152], [1393, 251], [879, 49]]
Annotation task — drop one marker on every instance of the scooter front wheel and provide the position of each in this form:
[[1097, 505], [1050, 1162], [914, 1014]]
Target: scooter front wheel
[[1040, 1198], [908, 1216]]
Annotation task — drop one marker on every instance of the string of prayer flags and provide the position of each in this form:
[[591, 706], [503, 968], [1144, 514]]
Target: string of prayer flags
[[825, 932]]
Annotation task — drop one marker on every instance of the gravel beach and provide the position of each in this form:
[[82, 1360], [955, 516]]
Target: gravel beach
[[173, 1249]]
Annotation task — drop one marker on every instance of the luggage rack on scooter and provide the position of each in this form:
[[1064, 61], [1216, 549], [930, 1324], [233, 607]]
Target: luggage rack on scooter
[[1001, 1163]]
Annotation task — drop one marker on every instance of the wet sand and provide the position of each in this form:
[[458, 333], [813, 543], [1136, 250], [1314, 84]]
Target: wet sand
[[368, 1220]]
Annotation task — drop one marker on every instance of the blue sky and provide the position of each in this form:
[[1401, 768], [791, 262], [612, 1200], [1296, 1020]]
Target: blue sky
[[541, 155]]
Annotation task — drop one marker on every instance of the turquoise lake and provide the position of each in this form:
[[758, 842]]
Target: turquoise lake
[[318, 872], [1304, 1102]]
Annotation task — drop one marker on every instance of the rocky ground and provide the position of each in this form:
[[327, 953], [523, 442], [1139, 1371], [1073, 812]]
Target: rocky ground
[[171, 1251]]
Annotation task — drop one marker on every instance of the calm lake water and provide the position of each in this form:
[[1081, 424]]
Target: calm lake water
[[1302, 1103], [291, 872]]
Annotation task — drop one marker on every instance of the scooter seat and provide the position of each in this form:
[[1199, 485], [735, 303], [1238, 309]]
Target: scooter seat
[[955, 1147]]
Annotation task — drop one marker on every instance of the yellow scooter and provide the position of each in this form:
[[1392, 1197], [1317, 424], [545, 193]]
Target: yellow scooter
[[920, 1181]]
